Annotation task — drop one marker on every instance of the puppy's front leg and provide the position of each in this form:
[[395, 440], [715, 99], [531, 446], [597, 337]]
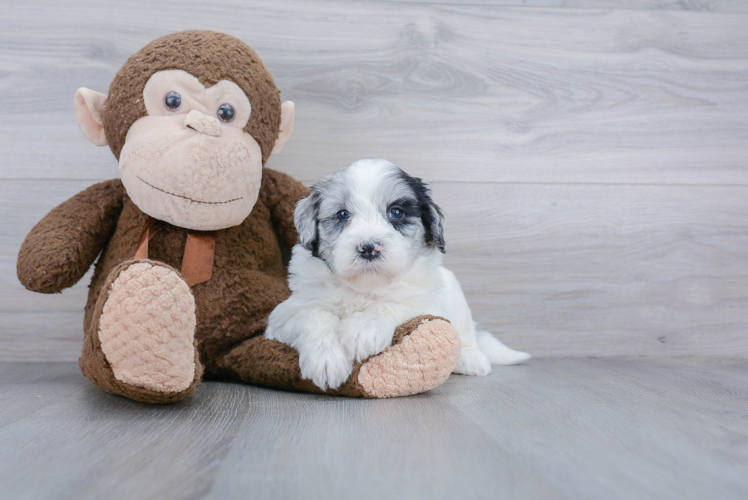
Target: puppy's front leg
[[324, 361], [364, 334], [314, 333]]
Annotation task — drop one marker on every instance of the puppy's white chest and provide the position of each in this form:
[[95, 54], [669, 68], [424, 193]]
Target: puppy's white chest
[[397, 305], [355, 302]]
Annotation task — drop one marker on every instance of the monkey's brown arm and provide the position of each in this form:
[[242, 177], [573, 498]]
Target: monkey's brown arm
[[281, 193], [62, 246], [423, 353]]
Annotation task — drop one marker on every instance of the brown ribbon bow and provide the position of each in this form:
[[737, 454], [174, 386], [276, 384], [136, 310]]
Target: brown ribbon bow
[[199, 252]]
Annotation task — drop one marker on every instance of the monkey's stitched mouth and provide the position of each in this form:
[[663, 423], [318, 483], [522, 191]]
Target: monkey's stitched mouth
[[187, 197]]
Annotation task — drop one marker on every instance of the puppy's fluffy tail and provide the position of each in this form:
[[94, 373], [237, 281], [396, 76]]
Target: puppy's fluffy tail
[[498, 353]]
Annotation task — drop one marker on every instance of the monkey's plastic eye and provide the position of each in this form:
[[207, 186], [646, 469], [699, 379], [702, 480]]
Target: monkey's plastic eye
[[344, 215], [396, 214], [173, 101], [226, 112]]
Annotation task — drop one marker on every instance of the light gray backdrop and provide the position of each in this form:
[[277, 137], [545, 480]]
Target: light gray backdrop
[[591, 156]]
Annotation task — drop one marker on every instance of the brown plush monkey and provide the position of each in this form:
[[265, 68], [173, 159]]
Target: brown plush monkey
[[191, 237]]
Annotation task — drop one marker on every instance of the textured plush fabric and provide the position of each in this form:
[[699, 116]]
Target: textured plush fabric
[[199, 251], [249, 270], [147, 328], [231, 309], [209, 56], [59, 250], [202, 183], [249, 274], [96, 367], [424, 352], [418, 362]]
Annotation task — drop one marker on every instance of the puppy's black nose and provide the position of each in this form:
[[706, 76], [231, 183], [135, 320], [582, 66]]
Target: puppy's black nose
[[368, 250]]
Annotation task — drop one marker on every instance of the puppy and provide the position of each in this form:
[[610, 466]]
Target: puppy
[[369, 258]]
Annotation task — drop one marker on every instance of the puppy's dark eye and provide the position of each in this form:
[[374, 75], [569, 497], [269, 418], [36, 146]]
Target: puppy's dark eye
[[343, 215], [396, 214], [173, 101], [226, 112]]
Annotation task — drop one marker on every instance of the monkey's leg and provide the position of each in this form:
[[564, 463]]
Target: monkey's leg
[[423, 353], [141, 342]]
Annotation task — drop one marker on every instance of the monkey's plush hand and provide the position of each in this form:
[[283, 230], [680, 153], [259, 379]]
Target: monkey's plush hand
[[62, 246]]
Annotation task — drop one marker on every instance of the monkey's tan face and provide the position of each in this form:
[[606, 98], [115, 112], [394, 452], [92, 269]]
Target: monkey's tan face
[[189, 162]]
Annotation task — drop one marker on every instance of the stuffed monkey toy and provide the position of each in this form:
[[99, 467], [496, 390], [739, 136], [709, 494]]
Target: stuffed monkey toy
[[191, 239]]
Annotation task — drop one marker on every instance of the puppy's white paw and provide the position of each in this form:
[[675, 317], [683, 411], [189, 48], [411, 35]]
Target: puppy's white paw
[[472, 362], [325, 363], [364, 335], [498, 353]]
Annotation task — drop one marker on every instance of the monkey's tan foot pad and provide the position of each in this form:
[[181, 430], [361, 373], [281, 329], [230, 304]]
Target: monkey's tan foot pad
[[147, 328], [418, 362]]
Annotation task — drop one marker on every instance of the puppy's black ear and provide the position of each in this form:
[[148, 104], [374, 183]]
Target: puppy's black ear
[[433, 220], [431, 215], [305, 217]]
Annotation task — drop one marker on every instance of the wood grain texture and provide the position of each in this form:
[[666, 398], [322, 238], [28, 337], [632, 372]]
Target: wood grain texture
[[572, 270], [554, 428], [735, 6], [449, 92], [591, 157], [57, 425], [603, 270]]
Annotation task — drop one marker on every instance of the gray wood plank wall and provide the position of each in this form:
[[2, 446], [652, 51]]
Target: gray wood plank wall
[[591, 156]]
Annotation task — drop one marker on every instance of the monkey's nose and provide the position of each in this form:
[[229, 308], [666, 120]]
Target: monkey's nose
[[202, 123]]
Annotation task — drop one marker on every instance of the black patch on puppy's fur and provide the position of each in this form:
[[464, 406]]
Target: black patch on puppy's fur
[[410, 209], [306, 218], [431, 215]]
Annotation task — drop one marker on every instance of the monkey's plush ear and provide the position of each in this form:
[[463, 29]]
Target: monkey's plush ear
[[288, 113], [89, 110]]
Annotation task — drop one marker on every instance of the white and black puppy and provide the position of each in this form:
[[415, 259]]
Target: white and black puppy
[[369, 258]]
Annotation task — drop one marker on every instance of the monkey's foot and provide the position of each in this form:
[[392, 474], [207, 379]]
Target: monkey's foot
[[423, 354], [145, 327]]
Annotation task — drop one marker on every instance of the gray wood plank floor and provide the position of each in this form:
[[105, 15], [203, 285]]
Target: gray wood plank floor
[[614, 428]]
